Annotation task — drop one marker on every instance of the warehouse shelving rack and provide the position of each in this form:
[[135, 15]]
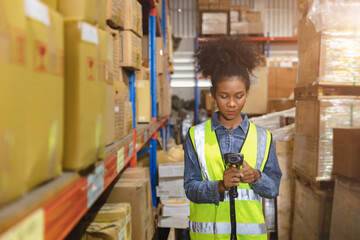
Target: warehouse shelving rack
[[52, 210], [268, 40]]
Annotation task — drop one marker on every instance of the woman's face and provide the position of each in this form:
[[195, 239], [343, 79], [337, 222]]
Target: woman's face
[[230, 96]]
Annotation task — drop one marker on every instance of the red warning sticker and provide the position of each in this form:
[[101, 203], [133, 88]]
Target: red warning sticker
[[90, 69], [40, 56]]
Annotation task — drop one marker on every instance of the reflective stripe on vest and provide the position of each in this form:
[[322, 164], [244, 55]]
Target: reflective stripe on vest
[[225, 228], [209, 218]]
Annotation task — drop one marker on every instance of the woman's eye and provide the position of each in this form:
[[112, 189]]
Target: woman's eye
[[239, 96], [223, 96]]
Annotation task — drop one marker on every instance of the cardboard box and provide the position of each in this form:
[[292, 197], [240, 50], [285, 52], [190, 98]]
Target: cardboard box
[[135, 193], [130, 50], [120, 124], [128, 117], [165, 97], [81, 10], [312, 213], [85, 96], [110, 91], [174, 222], [235, 16], [111, 231], [160, 52], [347, 152], [143, 101], [214, 23], [315, 120], [133, 17], [115, 55], [112, 212], [114, 14], [14, 61], [175, 207], [282, 81], [256, 101], [44, 112], [141, 174], [345, 210], [171, 170], [253, 16]]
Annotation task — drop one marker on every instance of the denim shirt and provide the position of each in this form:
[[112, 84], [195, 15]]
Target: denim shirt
[[199, 191]]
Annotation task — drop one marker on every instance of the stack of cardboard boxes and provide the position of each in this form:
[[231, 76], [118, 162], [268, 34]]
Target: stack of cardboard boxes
[[134, 187], [323, 50], [245, 22], [75, 99], [176, 207]]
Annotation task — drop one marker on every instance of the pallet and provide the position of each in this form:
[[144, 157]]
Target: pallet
[[306, 180], [316, 91]]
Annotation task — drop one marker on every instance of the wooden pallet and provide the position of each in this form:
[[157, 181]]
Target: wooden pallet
[[316, 91], [306, 180]]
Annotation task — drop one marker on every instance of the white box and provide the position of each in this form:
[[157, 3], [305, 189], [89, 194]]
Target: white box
[[170, 192], [175, 207], [171, 181], [173, 222], [171, 170]]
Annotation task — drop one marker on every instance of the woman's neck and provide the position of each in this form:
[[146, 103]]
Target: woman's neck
[[230, 123]]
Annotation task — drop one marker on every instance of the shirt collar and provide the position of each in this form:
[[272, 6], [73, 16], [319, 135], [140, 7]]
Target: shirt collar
[[216, 124]]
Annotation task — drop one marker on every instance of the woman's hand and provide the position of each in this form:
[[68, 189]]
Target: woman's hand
[[231, 178], [248, 174]]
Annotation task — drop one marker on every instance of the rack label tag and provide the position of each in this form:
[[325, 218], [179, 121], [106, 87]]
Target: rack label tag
[[95, 184], [120, 159], [32, 227], [131, 148]]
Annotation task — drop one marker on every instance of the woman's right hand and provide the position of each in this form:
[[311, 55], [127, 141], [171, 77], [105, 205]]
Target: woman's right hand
[[231, 178]]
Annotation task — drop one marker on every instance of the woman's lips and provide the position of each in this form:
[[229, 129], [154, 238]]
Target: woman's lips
[[231, 112]]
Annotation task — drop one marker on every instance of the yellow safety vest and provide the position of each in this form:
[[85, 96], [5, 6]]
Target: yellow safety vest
[[212, 222]]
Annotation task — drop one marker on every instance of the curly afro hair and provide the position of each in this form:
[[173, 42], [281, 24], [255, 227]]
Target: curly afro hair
[[226, 57]]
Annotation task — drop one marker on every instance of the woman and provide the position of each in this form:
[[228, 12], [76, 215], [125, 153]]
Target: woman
[[207, 177]]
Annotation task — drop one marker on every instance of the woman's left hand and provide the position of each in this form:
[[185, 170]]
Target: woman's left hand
[[248, 174]]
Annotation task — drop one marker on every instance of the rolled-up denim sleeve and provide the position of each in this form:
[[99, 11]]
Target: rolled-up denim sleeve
[[197, 190], [267, 185]]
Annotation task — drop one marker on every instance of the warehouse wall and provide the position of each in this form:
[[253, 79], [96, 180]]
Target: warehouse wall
[[279, 16]]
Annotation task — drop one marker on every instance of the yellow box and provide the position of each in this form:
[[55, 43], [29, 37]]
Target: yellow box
[[133, 17], [130, 50], [143, 101], [111, 212], [120, 123], [45, 105], [85, 96], [80, 10], [14, 52]]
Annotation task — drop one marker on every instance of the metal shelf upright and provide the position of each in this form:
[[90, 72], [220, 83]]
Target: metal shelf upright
[[152, 64]]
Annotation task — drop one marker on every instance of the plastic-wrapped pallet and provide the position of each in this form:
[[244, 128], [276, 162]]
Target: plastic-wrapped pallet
[[272, 121], [329, 42], [315, 120]]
